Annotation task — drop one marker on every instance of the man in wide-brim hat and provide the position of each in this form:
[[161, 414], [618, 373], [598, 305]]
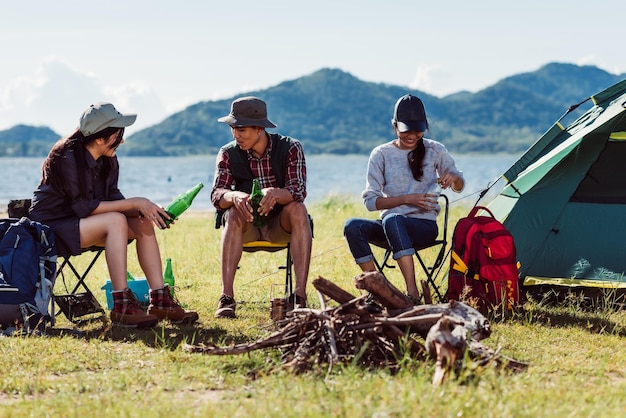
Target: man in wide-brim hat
[[278, 163]]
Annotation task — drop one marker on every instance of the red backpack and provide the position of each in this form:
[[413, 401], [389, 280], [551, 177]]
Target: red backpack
[[483, 259]]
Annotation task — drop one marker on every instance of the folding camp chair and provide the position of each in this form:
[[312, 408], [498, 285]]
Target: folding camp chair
[[440, 243], [79, 304], [76, 306], [254, 246]]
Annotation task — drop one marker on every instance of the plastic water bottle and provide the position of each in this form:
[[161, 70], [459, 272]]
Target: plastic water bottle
[[435, 188]]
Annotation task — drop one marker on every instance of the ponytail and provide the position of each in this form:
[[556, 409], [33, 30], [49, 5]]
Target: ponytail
[[416, 158]]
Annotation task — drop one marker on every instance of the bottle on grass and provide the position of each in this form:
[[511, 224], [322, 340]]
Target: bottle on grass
[[168, 273]]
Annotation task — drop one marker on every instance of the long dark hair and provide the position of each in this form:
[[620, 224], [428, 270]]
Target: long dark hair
[[77, 142], [416, 158]]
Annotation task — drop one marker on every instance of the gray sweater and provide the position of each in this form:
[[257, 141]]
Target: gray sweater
[[388, 175]]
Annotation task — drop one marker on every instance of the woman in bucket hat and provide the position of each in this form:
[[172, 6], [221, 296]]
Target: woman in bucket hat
[[283, 180], [78, 197], [402, 178]]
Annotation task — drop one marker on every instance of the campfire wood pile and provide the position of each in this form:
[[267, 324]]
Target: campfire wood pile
[[360, 333]]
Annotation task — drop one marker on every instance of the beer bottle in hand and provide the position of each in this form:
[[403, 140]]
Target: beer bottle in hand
[[255, 200], [181, 203]]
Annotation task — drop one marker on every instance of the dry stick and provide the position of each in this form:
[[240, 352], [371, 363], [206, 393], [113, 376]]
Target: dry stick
[[348, 325], [486, 355], [331, 290], [385, 292], [281, 337], [370, 326], [473, 320], [346, 331], [428, 299], [334, 354]]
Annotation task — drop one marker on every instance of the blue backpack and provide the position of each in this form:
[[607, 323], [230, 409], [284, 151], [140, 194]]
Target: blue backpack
[[27, 273]]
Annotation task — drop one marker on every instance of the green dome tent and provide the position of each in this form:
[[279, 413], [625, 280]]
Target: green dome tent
[[564, 199]]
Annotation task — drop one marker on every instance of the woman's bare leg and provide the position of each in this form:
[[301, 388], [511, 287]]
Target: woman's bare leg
[[148, 254], [108, 230], [408, 271]]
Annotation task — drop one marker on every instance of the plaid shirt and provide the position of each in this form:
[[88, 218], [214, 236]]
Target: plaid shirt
[[295, 172]]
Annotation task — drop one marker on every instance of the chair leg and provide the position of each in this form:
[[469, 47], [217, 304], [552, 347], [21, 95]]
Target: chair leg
[[82, 277], [288, 273], [76, 306], [430, 272], [385, 264], [288, 266]]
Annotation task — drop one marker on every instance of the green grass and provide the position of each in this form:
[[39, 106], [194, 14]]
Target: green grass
[[577, 356]]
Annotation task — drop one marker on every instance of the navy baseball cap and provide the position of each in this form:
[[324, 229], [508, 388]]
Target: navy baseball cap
[[409, 114]]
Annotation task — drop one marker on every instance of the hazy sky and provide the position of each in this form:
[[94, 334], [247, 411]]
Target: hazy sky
[[157, 57]]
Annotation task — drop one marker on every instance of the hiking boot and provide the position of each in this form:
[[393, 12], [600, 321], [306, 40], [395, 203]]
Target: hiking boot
[[127, 311], [295, 301], [414, 300], [164, 305], [371, 305], [226, 307]]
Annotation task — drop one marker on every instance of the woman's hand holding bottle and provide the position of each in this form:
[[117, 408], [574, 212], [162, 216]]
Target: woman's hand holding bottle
[[151, 211]]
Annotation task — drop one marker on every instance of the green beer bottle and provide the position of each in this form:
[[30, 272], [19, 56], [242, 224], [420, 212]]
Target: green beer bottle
[[255, 200], [129, 277], [168, 275], [181, 203]]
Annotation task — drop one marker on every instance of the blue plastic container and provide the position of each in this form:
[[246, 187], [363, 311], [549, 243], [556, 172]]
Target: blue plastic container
[[139, 287]]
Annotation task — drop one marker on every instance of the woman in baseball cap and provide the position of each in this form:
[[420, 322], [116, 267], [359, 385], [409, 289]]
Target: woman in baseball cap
[[402, 180], [79, 198]]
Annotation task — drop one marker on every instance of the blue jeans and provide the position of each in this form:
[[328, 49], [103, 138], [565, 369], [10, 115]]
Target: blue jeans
[[398, 232]]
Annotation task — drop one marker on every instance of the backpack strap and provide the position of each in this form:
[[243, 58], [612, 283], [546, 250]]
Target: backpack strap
[[242, 173], [458, 263], [475, 210], [25, 317]]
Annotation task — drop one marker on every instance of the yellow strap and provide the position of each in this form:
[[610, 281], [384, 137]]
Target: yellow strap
[[618, 136], [459, 264], [265, 244]]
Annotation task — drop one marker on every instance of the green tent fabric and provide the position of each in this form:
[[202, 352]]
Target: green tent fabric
[[564, 199]]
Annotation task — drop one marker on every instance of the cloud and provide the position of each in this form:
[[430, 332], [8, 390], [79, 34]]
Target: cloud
[[137, 97], [587, 60], [434, 79], [592, 59], [56, 93]]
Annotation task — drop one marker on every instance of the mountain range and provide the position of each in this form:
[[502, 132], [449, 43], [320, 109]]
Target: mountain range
[[331, 111]]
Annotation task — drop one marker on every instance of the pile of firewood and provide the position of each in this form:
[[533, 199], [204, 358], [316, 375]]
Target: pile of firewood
[[375, 335]]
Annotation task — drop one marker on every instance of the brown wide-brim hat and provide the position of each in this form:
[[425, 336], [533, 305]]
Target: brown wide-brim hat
[[248, 111]]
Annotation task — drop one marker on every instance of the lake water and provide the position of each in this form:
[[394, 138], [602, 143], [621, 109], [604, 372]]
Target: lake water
[[163, 178]]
